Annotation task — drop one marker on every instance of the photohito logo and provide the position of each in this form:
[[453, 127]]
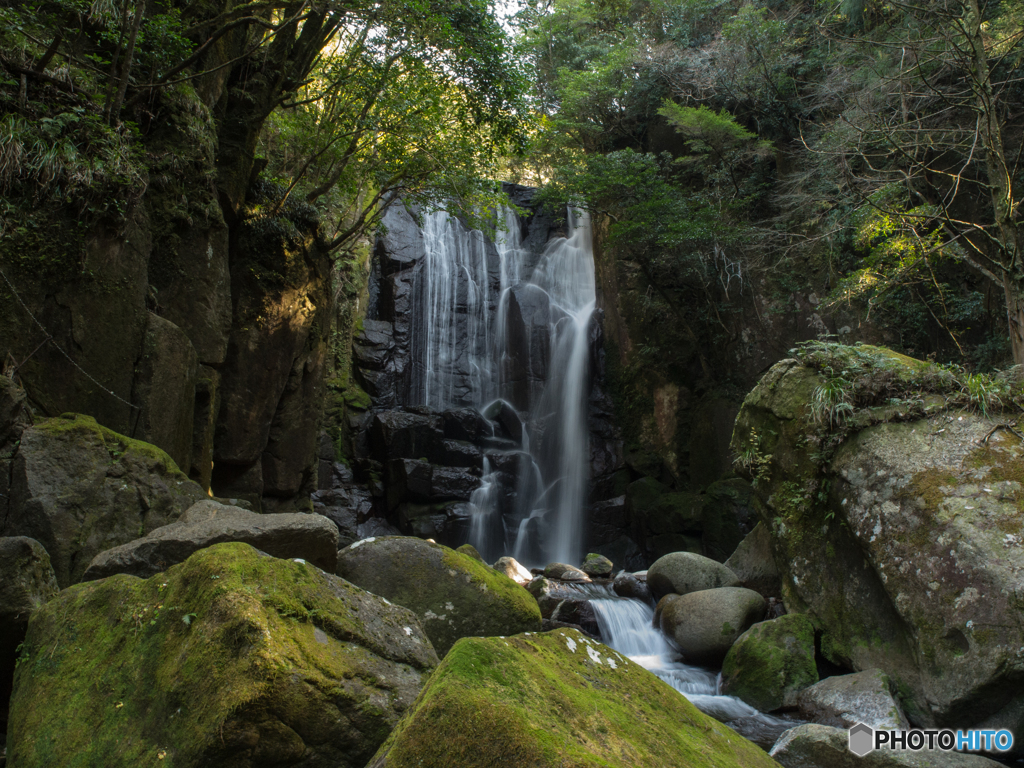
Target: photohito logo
[[864, 739]]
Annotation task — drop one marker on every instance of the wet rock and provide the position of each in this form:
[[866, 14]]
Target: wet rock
[[549, 593], [564, 572], [452, 483], [596, 565], [821, 746], [229, 656], [579, 613], [453, 594], [754, 565], [845, 700], [310, 537], [460, 453], [509, 423], [628, 585], [464, 424], [684, 572], [404, 435], [659, 611], [400, 244], [79, 489], [771, 663], [705, 624], [555, 681], [511, 568]]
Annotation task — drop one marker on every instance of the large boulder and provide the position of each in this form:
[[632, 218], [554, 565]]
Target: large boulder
[[754, 564], [288, 535], [771, 663], [232, 658], [822, 746], [896, 522], [845, 700], [684, 572], [705, 624], [26, 584], [79, 489], [453, 594], [553, 700]]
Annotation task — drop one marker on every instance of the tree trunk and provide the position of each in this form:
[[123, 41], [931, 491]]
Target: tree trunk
[[1015, 316]]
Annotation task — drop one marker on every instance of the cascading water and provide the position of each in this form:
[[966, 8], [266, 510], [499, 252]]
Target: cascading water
[[506, 322], [627, 626]]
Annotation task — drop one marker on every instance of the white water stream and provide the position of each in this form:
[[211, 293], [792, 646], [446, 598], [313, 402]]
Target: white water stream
[[627, 626], [475, 351]]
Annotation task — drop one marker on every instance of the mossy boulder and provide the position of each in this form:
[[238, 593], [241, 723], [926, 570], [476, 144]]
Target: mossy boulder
[[684, 572], [79, 488], [899, 532], [232, 658], [453, 594], [705, 624], [771, 663], [286, 535], [597, 565], [556, 699]]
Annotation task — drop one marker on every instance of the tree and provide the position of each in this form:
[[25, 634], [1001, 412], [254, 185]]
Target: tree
[[121, 57], [942, 120]]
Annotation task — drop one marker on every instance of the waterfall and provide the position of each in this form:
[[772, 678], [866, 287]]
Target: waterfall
[[499, 322], [627, 626]]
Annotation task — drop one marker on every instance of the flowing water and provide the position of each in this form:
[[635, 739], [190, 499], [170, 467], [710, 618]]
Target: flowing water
[[627, 626], [516, 330]]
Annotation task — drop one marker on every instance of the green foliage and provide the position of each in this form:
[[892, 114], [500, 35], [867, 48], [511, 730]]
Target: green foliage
[[867, 377]]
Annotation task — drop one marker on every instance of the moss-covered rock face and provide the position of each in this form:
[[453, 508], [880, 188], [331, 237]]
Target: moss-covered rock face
[[556, 699], [453, 594], [771, 663], [79, 489], [232, 658], [898, 529]]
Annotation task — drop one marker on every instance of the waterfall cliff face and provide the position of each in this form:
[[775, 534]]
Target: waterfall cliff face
[[481, 355]]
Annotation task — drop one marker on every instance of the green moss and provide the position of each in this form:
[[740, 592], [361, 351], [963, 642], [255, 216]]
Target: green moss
[[78, 426], [771, 662], [454, 594], [117, 671], [554, 700]]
